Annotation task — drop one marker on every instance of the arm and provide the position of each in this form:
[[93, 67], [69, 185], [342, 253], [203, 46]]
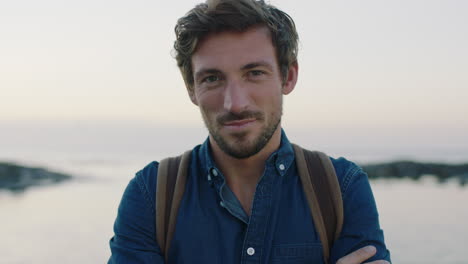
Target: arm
[[361, 255], [134, 240], [361, 221]]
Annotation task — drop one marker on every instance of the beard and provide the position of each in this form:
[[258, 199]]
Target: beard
[[240, 147]]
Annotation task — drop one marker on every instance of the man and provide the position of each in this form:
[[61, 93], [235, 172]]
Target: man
[[243, 201]]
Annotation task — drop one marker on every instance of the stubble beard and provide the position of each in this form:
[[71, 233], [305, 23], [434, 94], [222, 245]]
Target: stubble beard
[[240, 147]]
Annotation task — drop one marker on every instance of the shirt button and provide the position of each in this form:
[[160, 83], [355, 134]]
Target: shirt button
[[250, 251], [281, 167], [221, 203], [214, 172]]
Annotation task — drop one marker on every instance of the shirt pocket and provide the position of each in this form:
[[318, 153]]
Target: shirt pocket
[[297, 253]]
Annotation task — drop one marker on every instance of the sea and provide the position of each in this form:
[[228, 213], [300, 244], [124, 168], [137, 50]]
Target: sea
[[424, 221]]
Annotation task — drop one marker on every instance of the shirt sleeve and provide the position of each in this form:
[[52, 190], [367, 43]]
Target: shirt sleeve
[[361, 220], [134, 238]]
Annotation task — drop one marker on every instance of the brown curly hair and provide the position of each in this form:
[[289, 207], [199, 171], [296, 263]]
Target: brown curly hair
[[216, 16]]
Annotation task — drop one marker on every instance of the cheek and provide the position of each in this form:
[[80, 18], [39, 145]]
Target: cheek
[[209, 102], [270, 97]]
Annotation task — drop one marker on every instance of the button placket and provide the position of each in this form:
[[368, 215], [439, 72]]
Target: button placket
[[258, 226]]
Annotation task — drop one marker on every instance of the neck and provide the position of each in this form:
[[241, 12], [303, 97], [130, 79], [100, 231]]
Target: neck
[[242, 175], [245, 171]]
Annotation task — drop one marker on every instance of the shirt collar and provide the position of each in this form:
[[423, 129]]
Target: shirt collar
[[282, 158]]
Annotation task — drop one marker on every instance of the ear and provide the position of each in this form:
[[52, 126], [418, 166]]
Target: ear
[[291, 79]]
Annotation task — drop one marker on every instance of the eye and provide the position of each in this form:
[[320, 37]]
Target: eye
[[256, 75], [256, 72], [210, 79]]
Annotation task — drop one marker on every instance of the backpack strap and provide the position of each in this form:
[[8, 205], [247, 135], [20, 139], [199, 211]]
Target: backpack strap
[[170, 187], [323, 194], [317, 176]]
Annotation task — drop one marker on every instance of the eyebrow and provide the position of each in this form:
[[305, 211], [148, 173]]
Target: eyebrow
[[248, 66], [257, 64]]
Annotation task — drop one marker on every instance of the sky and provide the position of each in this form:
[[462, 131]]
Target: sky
[[373, 73]]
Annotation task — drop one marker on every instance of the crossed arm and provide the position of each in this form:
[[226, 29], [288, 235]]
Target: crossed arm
[[361, 255]]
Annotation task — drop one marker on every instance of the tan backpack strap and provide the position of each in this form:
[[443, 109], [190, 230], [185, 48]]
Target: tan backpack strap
[[170, 187], [322, 192]]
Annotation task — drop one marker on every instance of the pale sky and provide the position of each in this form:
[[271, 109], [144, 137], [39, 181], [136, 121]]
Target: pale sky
[[398, 66]]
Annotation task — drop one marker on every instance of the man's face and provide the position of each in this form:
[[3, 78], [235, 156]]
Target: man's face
[[239, 88]]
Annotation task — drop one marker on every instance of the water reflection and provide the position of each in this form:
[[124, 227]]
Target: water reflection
[[423, 220]]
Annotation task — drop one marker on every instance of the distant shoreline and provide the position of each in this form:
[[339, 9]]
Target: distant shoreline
[[18, 178], [415, 170]]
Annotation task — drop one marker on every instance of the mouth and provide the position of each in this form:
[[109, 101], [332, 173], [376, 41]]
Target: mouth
[[239, 124]]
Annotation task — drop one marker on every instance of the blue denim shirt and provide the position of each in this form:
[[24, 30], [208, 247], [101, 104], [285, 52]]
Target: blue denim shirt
[[212, 227]]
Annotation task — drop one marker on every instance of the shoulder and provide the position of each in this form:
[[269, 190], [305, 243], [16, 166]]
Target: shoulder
[[347, 172], [148, 172], [146, 179]]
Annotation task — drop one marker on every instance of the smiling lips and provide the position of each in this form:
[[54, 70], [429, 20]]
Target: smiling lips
[[239, 124]]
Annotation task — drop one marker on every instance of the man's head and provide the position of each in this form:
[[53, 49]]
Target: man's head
[[238, 58], [216, 16]]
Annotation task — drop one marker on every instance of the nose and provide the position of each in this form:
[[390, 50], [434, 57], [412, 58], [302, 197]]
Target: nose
[[236, 97]]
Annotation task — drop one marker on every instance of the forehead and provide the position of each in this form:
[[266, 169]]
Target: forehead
[[231, 49]]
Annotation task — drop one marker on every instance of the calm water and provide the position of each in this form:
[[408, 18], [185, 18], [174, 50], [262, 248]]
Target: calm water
[[424, 222]]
